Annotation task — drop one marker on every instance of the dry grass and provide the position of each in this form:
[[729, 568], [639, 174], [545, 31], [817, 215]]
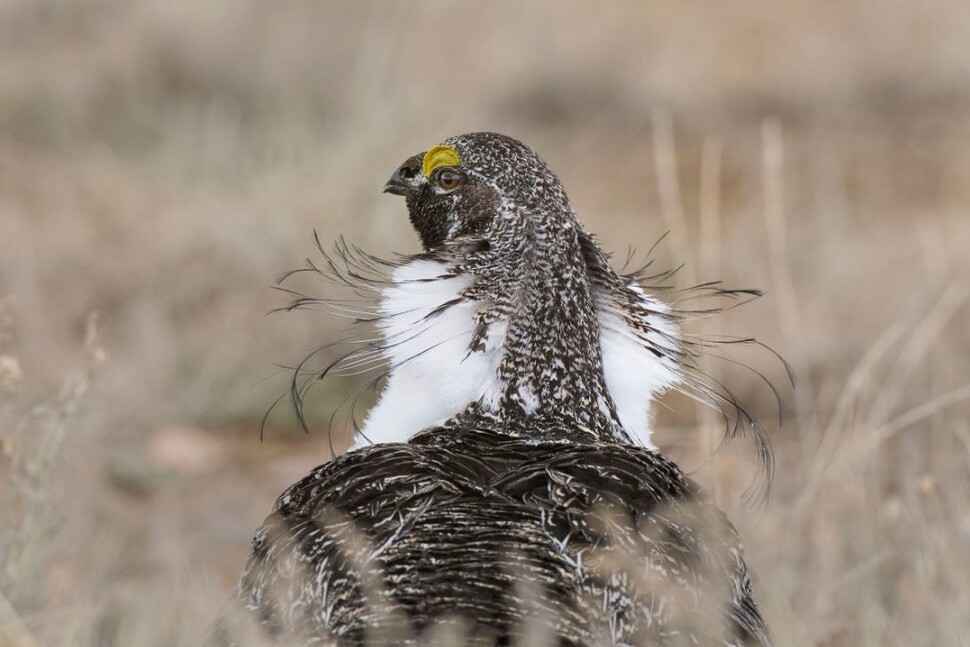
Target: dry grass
[[160, 162]]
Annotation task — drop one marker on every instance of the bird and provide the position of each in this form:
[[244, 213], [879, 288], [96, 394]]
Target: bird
[[505, 487]]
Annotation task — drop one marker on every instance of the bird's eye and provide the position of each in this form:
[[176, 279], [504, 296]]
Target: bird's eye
[[449, 180]]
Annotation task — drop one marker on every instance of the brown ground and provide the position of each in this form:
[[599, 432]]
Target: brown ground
[[161, 162]]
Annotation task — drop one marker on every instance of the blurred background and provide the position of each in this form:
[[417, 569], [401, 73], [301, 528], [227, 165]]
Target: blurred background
[[162, 161]]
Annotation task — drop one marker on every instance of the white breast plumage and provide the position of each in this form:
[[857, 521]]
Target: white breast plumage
[[427, 329], [427, 334], [634, 374]]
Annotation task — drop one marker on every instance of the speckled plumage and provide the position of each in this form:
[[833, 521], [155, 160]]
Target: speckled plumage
[[530, 503]]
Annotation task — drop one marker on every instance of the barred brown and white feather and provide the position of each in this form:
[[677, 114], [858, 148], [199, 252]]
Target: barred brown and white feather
[[623, 548]]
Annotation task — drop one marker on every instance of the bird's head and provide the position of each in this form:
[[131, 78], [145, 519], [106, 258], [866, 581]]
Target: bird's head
[[460, 188]]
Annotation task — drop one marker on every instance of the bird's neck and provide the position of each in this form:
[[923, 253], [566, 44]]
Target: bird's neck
[[550, 376], [531, 335], [552, 365]]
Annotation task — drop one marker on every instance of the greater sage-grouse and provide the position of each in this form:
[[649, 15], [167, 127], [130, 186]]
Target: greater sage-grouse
[[504, 490]]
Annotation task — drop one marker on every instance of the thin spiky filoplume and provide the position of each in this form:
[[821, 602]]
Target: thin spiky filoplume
[[506, 479]]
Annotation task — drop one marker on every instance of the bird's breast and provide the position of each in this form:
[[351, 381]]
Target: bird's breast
[[429, 330]]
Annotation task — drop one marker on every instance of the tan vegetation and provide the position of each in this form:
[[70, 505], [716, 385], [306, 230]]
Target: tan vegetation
[[161, 162]]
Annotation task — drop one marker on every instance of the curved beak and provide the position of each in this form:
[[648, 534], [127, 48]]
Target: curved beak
[[406, 178], [397, 184]]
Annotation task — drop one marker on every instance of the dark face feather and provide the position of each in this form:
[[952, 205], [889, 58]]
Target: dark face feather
[[496, 176]]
